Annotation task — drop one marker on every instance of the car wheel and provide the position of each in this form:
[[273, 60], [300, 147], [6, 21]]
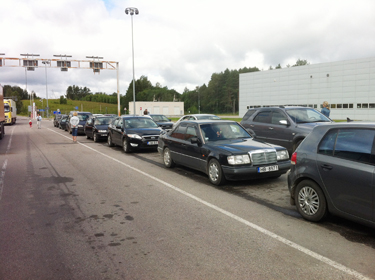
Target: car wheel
[[95, 137], [87, 136], [215, 173], [310, 201], [70, 130], [109, 141], [168, 162], [126, 145]]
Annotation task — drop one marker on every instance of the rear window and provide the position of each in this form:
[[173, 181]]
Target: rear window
[[248, 114]]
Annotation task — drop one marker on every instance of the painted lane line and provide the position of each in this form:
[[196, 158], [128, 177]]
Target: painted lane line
[[241, 220]]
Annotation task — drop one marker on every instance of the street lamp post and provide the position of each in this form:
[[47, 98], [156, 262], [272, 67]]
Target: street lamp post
[[132, 11], [45, 64]]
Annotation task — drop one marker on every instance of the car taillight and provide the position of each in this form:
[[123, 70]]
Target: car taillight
[[293, 159]]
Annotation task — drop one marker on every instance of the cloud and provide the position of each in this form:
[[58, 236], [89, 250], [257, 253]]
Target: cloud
[[178, 43]]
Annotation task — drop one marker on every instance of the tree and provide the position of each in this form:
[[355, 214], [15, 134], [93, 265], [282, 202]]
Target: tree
[[301, 62]]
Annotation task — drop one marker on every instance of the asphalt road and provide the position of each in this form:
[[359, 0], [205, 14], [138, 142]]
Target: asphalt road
[[87, 211]]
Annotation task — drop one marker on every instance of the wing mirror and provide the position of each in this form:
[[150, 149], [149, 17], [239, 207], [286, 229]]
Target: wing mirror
[[284, 122], [195, 140]]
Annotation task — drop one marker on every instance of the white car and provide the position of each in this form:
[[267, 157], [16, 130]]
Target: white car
[[197, 117]]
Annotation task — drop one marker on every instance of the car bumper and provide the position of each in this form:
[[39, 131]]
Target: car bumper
[[251, 172], [137, 144]]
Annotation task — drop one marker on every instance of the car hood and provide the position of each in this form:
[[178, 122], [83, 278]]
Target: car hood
[[144, 131], [242, 145]]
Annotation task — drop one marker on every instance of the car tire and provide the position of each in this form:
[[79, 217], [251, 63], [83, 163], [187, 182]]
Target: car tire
[[310, 201], [70, 130], [215, 172], [167, 159], [95, 137], [87, 136], [109, 141], [126, 145]]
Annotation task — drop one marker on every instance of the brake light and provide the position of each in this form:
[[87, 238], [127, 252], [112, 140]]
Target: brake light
[[293, 159]]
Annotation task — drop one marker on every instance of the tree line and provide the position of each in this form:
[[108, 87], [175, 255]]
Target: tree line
[[219, 96]]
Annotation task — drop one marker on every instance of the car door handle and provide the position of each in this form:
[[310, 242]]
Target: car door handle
[[326, 166], [270, 128]]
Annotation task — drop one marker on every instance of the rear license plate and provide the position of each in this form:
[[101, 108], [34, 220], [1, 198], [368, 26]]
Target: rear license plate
[[268, 168], [152, 143]]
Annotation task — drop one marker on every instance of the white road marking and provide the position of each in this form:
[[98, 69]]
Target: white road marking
[[241, 220], [3, 169]]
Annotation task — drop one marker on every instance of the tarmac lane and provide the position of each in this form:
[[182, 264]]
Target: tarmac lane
[[87, 211]]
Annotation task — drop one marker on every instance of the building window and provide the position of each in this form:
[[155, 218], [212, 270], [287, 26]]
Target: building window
[[339, 106], [371, 105], [345, 106], [365, 105], [351, 106], [359, 105], [333, 106]]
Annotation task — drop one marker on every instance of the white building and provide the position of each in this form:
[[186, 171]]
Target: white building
[[348, 86], [165, 108]]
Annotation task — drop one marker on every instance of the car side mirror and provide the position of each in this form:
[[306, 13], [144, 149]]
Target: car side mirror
[[169, 120], [195, 140], [118, 126], [252, 133], [284, 122]]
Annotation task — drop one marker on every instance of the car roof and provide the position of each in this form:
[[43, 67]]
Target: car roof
[[208, 121], [130, 116]]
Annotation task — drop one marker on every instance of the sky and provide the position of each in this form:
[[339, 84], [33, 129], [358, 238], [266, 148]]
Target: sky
[[177, 43]]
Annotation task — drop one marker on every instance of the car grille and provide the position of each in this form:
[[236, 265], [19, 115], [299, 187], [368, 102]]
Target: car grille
[[151, 137], [263, 157]]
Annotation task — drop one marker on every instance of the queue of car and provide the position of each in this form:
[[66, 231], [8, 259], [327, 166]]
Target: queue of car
[[331, 168]]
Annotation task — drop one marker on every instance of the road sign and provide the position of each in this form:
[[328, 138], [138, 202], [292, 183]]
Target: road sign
[[76, 107], [56, 112], [41, 110]]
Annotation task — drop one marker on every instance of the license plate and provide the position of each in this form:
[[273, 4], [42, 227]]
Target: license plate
[[103, 134], [268, 168], [152, 143]]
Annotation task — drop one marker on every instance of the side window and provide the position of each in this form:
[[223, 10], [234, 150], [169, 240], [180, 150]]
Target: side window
[[190, 132], [351, 144], [263, 117], [115, 122], [179, 132], [327, 144], [277, 116], [248, 114], [120, 122]]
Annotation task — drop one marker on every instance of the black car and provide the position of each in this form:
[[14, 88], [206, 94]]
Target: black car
[[83, 117], [222, 149], [63, 122], [133, 133], [333, 172], [285, 126], [97, 127], [162, 121], [57, 119]]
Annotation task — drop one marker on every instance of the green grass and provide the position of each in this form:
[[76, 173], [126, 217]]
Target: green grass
[[86, 106]]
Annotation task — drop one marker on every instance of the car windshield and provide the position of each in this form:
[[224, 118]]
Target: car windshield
[[6, 108], [207, 117], [103, 121], [306, 115], [223, 131], [83, 117], [140, 123], [160, 118]]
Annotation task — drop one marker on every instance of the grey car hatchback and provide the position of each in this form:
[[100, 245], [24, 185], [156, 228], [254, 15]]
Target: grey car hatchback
[[333, 172], [285, 126]]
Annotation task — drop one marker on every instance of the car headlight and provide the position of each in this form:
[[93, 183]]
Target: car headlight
[[102, 131], [136, 136], [282, 155], [240, 159]]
